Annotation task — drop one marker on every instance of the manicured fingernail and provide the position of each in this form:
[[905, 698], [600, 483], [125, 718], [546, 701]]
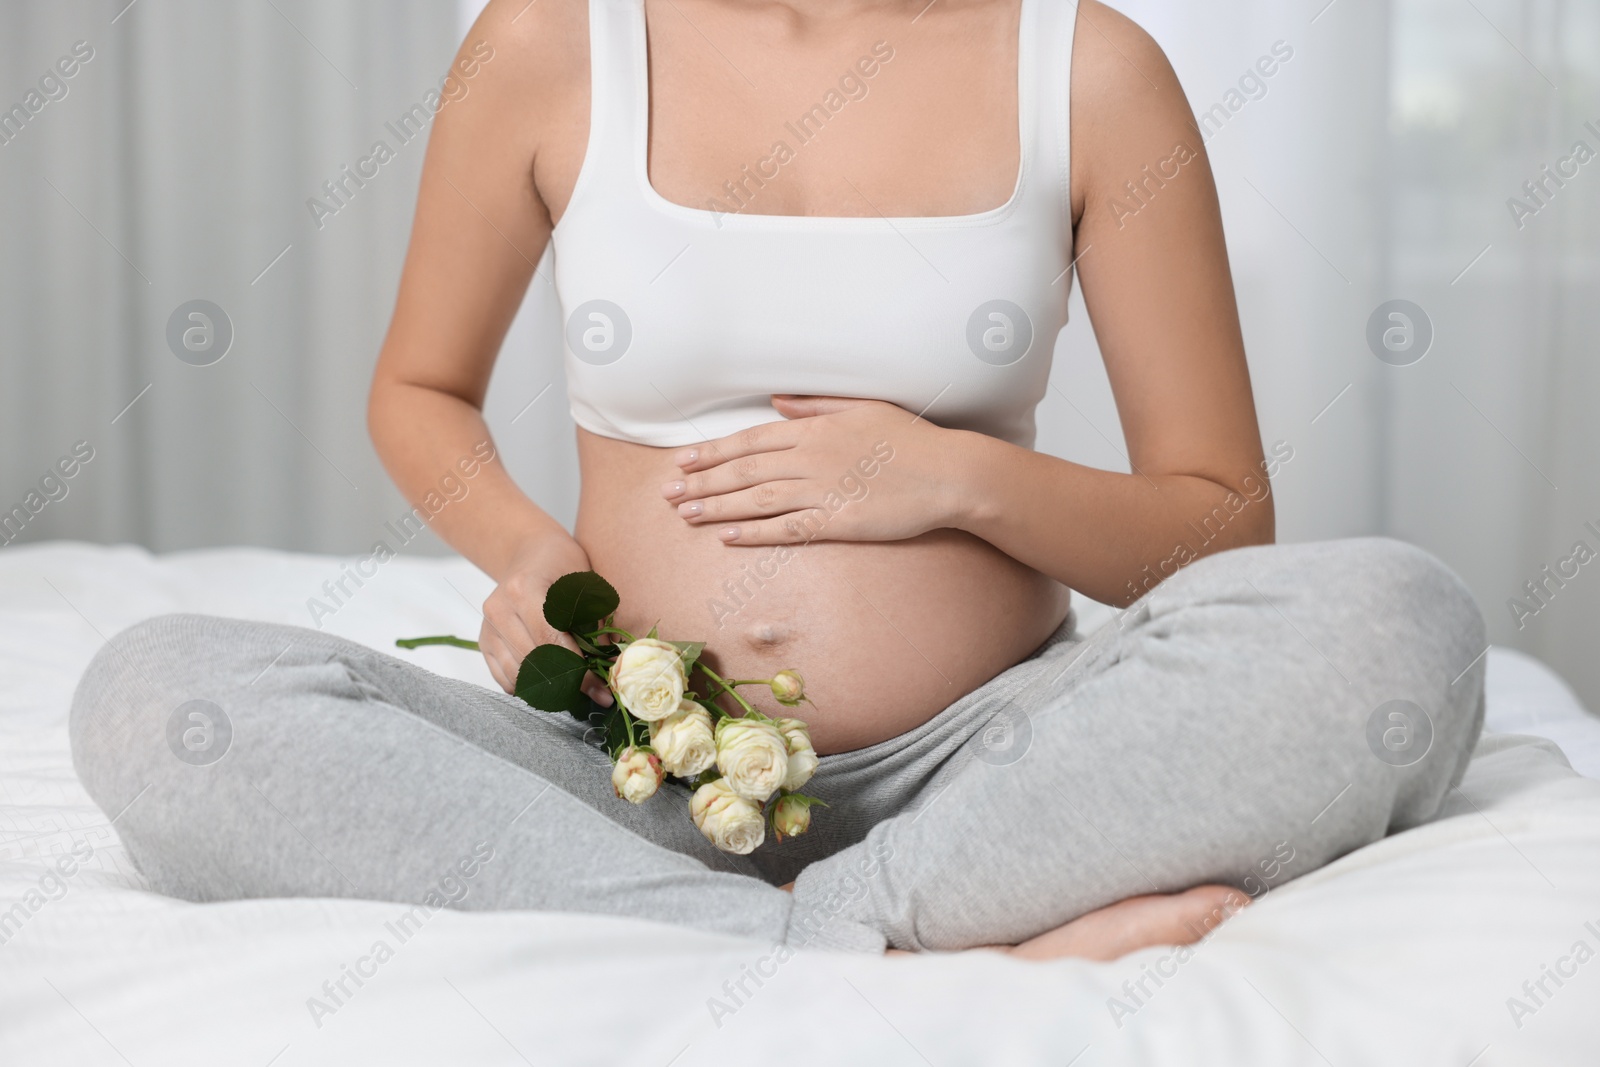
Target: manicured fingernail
[[672, 489], [689, 511], [687, 457], [729, 533]]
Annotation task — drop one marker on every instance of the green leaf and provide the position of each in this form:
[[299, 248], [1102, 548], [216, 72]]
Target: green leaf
[[551, 678], [711, 706], [578, 601], [691, 651], [615, 732], [801, 798], [705, 777]]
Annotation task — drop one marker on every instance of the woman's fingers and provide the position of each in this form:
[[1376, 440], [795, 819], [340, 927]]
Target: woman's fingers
[[795, 528], [513, 631], [791, 406], [595, 687], [747, 472], [513, 615], [768, 498], [495, 656], [729, 477], [505, 653], [505, 663], [507, 635], [767, 437]]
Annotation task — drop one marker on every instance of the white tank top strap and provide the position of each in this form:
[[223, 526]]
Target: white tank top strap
[[618, 94], [1047, 46]]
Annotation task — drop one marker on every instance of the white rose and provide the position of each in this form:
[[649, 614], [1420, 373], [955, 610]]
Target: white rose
[[684, 740], [636, 776], [648, 678], [802, 763], [752, 756], [728, 820]]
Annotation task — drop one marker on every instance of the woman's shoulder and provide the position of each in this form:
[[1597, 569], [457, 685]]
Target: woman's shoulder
[[526, 108], [1116, 63], [537, 44], [1126, 98]]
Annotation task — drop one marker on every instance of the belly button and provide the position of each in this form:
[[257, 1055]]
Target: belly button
[[766, 634]]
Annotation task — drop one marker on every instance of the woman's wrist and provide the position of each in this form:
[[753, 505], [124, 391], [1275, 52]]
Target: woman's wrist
[[536, 543], [970, 460]]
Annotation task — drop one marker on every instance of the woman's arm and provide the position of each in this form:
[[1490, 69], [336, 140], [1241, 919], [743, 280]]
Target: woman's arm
[[1155, 277], [480, 228]]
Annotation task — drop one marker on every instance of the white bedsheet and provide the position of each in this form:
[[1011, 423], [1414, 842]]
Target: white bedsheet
[[1405, 952]]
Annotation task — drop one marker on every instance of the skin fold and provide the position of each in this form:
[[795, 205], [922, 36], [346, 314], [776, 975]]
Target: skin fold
[[958, 562]]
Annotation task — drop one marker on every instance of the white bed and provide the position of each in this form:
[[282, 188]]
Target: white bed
[[1405, 952]]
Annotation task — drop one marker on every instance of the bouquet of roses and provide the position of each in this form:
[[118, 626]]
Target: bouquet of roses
[[744, 769]]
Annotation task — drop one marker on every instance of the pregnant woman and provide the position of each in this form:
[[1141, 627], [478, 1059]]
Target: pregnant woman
[[812, 260]]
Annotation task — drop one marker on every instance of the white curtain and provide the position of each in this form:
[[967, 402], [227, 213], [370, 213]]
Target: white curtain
[[1378, 164], [1375, 164], [177, 167]]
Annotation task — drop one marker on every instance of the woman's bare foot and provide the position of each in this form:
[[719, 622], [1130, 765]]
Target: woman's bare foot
[[1135, 923], [1129, 925]]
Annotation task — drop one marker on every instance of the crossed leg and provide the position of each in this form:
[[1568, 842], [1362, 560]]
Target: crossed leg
[[1259, 714]]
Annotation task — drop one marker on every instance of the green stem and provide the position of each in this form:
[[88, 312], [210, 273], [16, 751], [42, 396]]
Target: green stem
[[443, 639], [726, 688], [611, 630]]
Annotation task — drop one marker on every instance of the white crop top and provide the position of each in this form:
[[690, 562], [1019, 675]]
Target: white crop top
[[682, 322]]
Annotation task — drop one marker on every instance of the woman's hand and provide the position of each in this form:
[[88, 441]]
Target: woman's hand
[[841, 469], [513, 616]]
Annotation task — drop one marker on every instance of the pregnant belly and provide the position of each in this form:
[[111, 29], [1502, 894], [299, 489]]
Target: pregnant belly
[[886, 634]]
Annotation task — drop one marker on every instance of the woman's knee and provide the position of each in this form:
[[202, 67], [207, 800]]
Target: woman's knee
[[1398, 613], [149, 690], [1367, 594], [1390, 578], [1420, 628], [1410, 639], [1379, 637]]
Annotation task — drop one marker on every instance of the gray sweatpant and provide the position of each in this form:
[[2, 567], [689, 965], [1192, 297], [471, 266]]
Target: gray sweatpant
[[1257, 715]]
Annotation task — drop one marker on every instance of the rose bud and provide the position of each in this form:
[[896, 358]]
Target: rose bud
[[802, 761], [752, 756], [648, 678], [791, 816], [684, 740], [788, 687], [637, 775], [728, 820]]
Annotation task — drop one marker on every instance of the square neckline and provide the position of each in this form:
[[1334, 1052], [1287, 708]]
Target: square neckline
[[752, 220]]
